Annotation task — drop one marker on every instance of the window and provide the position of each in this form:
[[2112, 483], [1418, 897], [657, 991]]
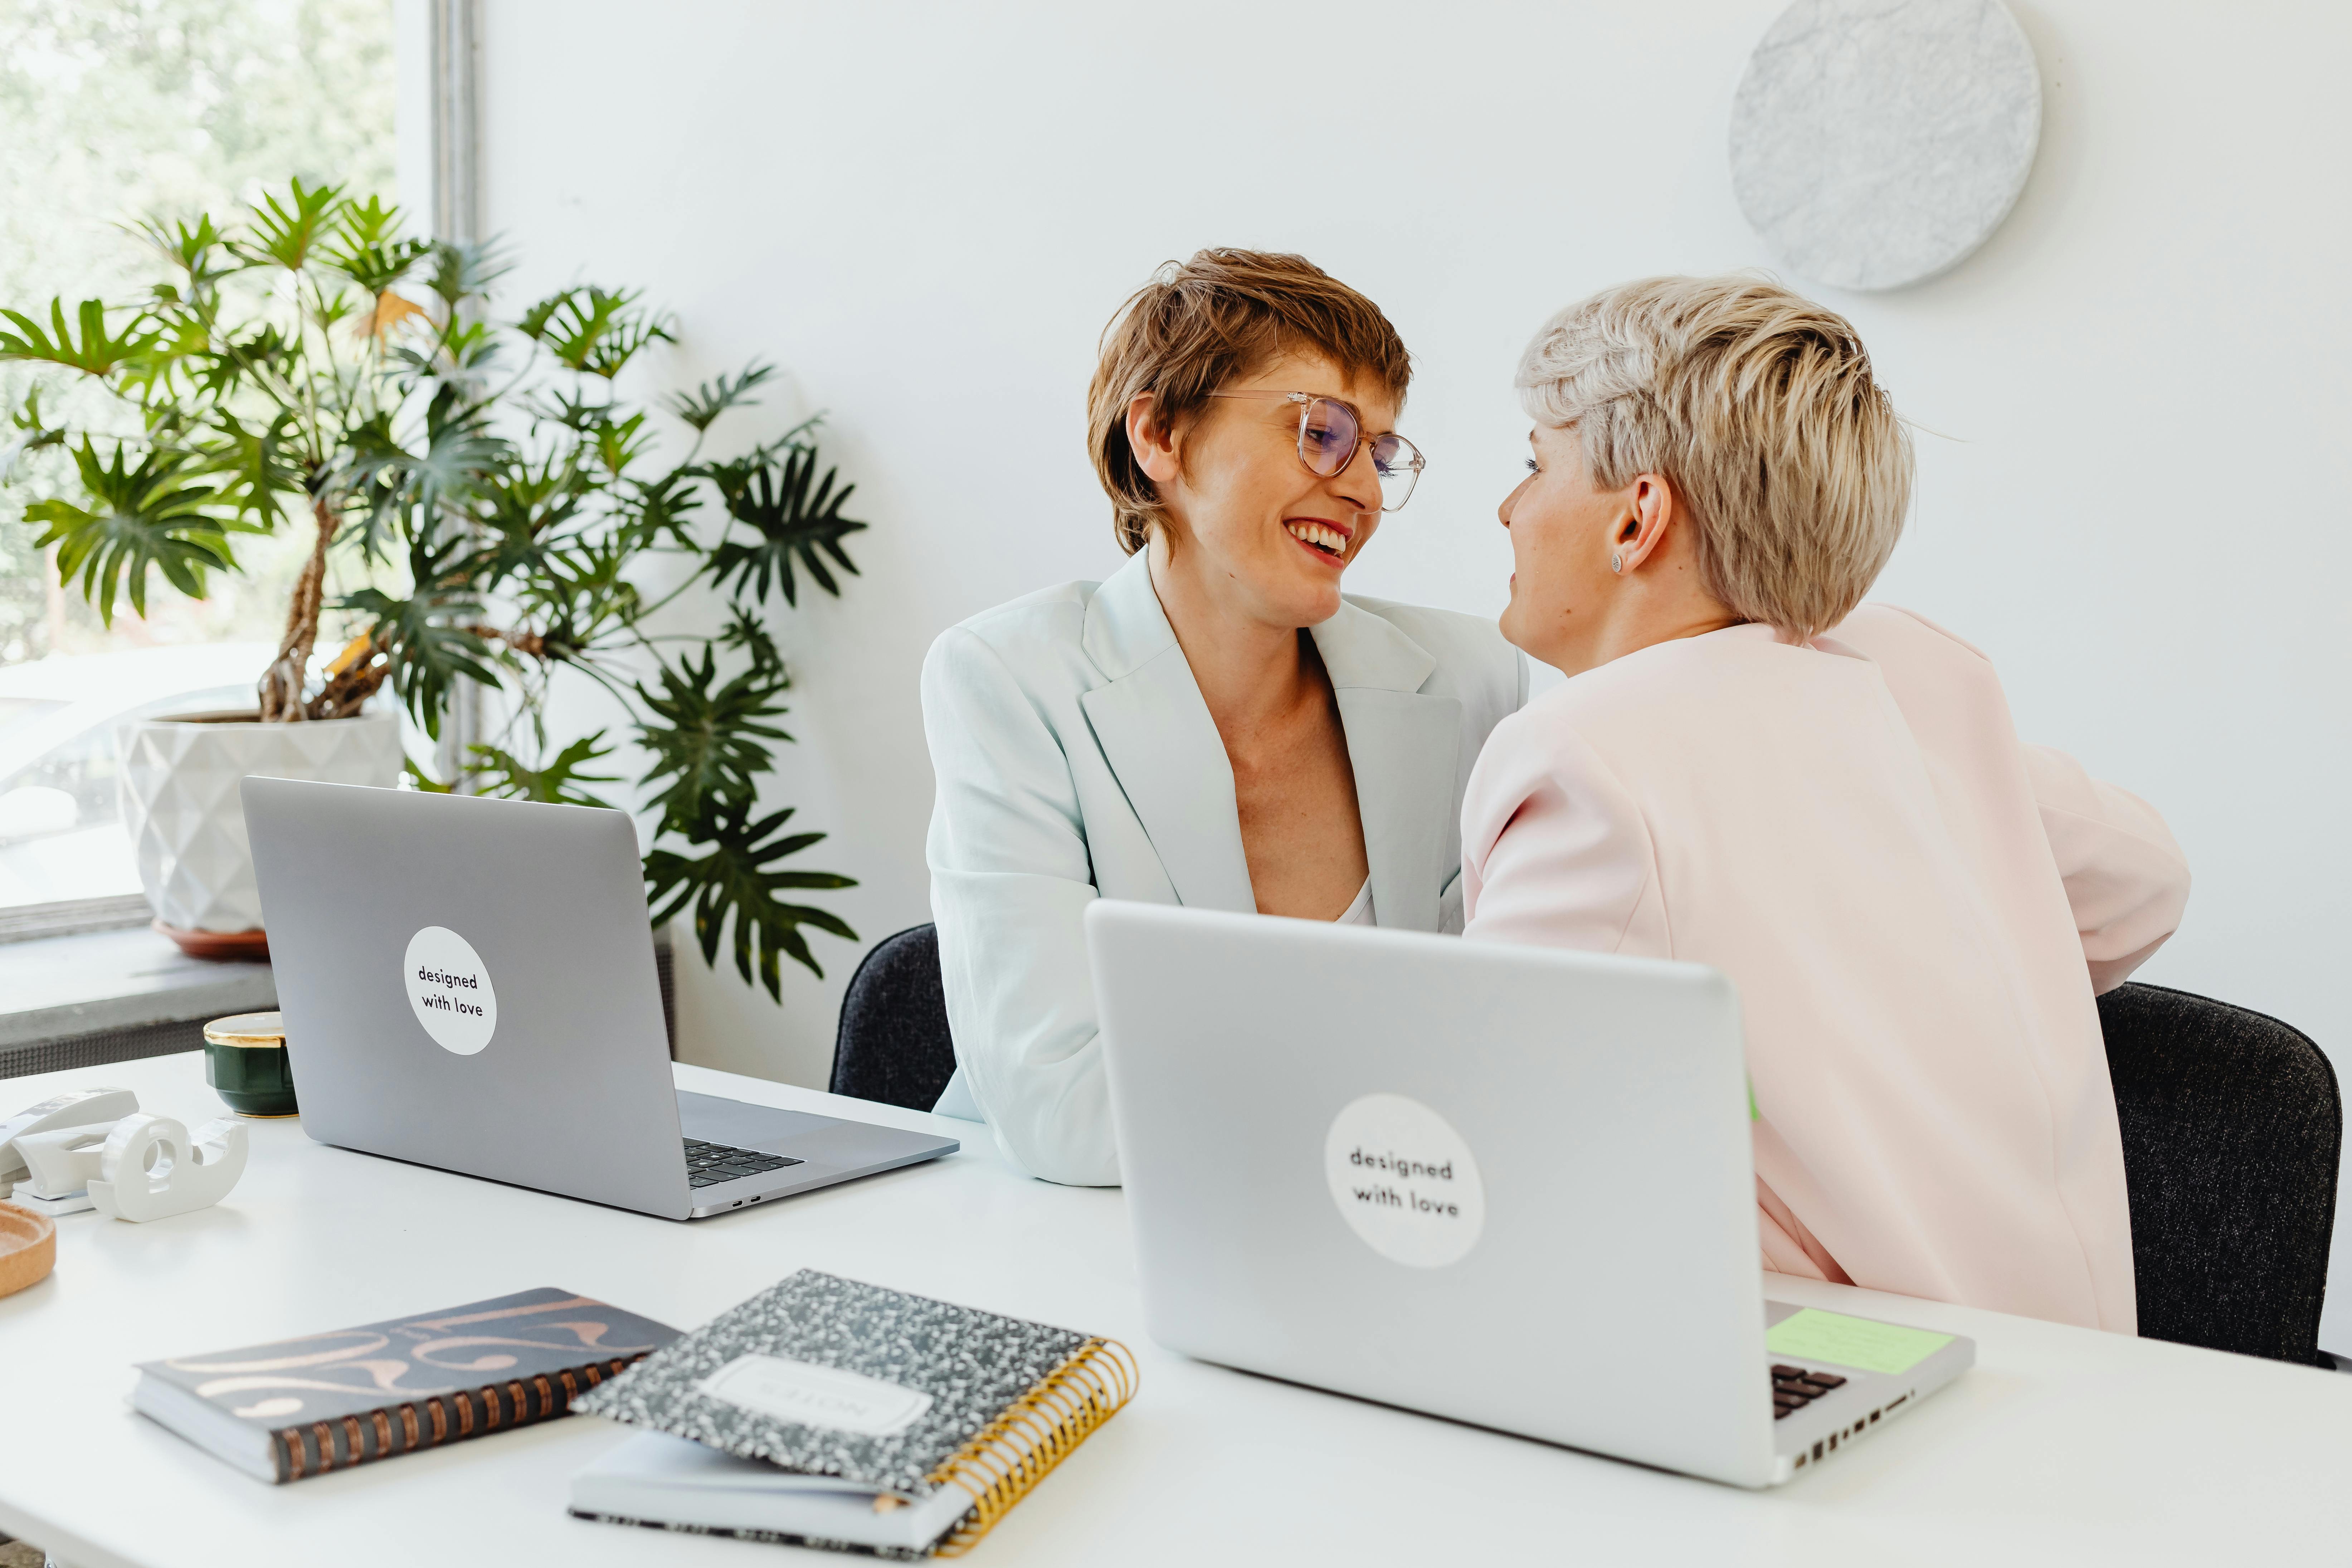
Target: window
[[111, 110]]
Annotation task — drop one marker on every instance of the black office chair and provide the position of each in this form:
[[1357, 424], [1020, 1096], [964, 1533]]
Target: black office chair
[[2231, 1125], [892, 1044]]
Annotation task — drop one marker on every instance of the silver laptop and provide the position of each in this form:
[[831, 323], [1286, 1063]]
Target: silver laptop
[[470, 984], [1507, 1185]]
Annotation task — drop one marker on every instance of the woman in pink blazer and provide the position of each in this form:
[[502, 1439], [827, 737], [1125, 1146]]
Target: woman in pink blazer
[[1826, 800]]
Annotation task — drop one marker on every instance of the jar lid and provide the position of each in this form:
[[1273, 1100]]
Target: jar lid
[[248, 1029]]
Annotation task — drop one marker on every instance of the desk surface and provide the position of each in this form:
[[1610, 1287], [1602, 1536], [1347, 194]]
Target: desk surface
[[2062, 1446]]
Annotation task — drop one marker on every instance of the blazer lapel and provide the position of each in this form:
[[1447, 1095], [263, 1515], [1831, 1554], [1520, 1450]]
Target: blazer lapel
[[1405, 748], [1155, 731]]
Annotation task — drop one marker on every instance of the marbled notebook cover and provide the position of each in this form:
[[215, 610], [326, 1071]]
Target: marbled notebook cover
[[972, 1364]]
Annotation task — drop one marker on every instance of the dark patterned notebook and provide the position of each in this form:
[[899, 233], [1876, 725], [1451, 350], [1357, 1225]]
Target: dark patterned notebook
[[326, 1402], [835, 1388]]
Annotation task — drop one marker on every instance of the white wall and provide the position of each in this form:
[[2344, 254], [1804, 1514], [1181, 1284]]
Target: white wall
[[2134, 497]]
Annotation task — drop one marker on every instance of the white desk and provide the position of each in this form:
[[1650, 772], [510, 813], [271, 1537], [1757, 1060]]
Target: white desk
[[2062, 1446]]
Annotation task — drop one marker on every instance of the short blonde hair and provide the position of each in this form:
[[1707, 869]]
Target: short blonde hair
[[1759, 408], [1197, 325]]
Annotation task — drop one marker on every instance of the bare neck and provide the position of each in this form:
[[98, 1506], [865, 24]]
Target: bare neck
[[1251, 672], [1665, 598], [1633, 624]]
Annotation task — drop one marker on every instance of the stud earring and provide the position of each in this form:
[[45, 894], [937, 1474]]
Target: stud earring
[[1616, 562]]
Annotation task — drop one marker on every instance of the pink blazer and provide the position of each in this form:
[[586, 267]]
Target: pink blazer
[[1917, 909]]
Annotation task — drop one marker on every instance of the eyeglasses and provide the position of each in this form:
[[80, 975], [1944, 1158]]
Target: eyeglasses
[[1329, 431]]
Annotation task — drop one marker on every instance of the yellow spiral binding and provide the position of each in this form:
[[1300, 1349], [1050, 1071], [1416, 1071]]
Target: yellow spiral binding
[[1036, 1432]]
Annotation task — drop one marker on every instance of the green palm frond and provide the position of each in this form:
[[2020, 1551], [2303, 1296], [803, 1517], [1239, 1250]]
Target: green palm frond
[[738, 878], [652, 512], [621, 442], [160, 512], [195, 251], [462, 272], [179, 354], [38, 435], [285, 232], [501, 773], [580, 592], [429, 643], [520, 509], [573, 409], [100, 353], [746, 633], [366, 246], [709, 740], [793, 515], [593, 330], [258, 465], [462, 461], [230, 363], [702, 408]]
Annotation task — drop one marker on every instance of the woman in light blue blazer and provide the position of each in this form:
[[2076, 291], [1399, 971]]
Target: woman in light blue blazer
[[1215, 725]]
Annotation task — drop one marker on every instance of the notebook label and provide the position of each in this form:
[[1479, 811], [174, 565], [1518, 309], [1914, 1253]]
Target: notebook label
[[1404, 1181], [449, 987], [810, 1395]]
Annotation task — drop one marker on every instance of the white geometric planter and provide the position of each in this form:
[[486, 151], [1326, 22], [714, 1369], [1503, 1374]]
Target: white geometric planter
[[186, 822]]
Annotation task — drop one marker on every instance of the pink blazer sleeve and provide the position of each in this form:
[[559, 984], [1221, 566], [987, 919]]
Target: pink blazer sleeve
[[2126, 879], [1554, 850]]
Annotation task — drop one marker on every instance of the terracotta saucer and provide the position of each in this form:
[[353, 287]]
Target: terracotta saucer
[[28, 1248], [225, 945]]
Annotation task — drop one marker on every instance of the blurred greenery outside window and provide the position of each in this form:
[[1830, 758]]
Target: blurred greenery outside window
[[112, 109]]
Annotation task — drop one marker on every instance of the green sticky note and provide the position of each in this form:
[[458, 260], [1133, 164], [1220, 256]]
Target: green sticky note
[[1813, 1336]]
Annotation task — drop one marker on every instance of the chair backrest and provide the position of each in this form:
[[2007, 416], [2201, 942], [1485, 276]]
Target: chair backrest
[[2232, 1126], [893, 1044]]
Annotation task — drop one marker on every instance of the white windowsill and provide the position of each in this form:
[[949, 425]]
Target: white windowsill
[[55, 987]]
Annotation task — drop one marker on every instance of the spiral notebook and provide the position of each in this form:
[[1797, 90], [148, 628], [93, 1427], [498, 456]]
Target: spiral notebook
[[825, 1412], [326, 1402]]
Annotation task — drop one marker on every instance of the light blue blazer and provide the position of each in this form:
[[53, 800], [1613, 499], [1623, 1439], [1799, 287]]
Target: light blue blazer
[[1077, 760]]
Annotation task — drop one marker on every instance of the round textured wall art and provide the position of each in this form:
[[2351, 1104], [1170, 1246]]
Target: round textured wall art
[[1876, 142]]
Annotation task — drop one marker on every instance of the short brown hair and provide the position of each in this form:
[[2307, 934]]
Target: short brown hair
[[1202, 323], [1760, 408]]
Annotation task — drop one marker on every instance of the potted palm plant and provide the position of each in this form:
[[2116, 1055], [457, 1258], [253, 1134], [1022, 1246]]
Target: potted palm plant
[[306, 365]]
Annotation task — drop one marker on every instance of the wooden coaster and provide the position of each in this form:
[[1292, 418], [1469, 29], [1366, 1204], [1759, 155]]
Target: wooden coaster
[[227, 944], [28, 1248]]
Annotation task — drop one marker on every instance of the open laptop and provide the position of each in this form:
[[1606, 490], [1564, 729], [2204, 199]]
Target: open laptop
[[1508, 1185], [470, 984]]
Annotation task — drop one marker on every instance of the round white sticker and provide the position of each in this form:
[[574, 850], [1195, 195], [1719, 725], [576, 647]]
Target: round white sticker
[[450, 989], [1404, 1181]]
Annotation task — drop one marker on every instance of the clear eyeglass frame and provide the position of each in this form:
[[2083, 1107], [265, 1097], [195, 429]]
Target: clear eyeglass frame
[[1327, 445]]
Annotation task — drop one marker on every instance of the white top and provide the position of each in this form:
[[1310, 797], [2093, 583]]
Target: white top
[[1359, 913], [2064, 1444]]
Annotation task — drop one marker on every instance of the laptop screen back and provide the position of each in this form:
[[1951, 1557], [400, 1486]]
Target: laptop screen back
[[1510, 1186], [470, 984]]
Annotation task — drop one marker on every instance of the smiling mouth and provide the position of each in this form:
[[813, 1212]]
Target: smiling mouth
[[1319, 537]]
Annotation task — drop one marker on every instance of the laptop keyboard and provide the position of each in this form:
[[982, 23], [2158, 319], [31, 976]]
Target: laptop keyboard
[[1794, 1388], [708, 1164]]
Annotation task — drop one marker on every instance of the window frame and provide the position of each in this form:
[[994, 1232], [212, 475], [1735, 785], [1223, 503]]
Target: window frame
[[451, 46]]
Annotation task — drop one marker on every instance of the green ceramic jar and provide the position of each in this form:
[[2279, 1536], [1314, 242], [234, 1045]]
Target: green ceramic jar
[[245, 1061]]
